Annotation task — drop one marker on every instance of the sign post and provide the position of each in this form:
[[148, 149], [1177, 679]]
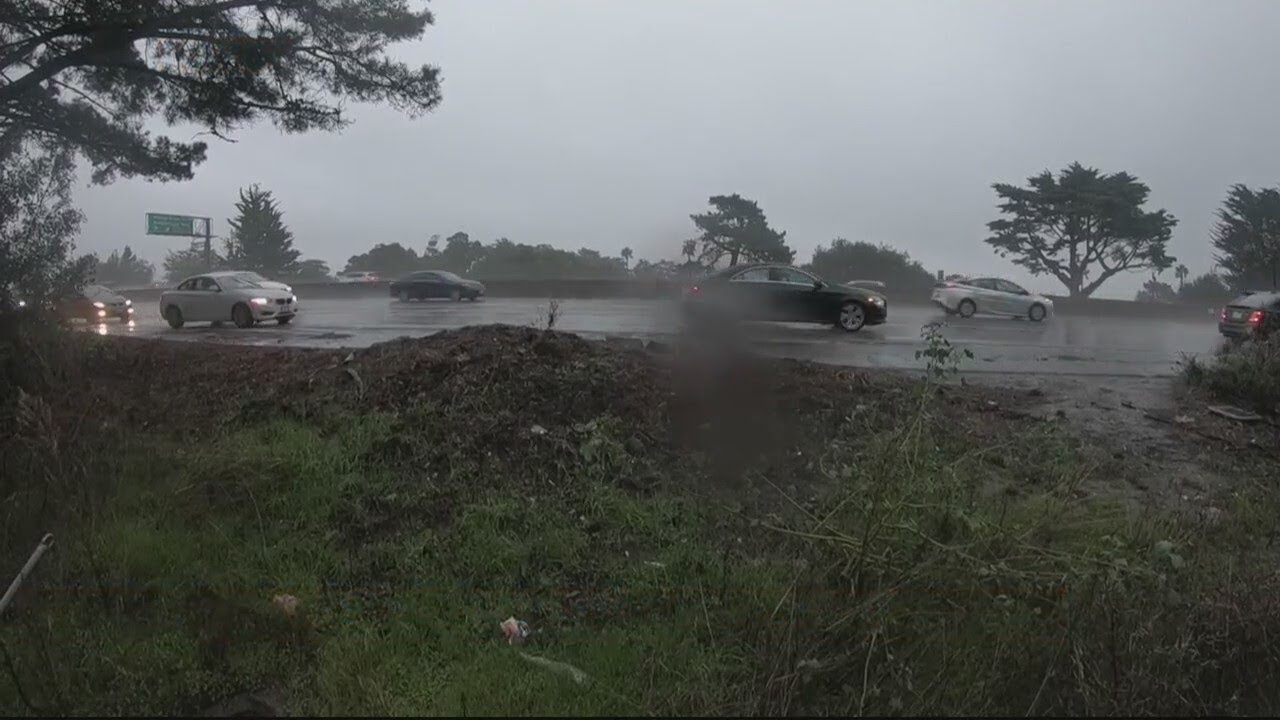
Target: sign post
[[183, 226]]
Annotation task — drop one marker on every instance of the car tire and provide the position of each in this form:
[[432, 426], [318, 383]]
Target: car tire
[[242, 316], [1036, 313], [283, 320], [852, 318], [455, 295], [967, 308], [173, 316]]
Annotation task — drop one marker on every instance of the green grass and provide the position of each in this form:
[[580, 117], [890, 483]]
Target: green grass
[[929, 580]]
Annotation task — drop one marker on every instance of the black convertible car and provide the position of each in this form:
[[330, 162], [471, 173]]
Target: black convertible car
[[426, 284], [781, 293]]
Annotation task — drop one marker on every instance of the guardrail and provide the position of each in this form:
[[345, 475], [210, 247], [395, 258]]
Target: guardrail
[[668, 289]]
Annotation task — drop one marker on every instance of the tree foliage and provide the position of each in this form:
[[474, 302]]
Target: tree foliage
[[507, 260], [38, 224], [87, 73], [312, 270], [738, 228], [1246, 238], [1207, 288], [1082, 227], [123, 268], [459, 255], [845, 261], [385, 259], [259, 240], [182, 264], [1156, 291]]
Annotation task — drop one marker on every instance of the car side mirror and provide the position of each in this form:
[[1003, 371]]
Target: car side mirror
[[819, 284]]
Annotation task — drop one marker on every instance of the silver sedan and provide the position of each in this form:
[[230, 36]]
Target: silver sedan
[[990, 296], [220, 296]]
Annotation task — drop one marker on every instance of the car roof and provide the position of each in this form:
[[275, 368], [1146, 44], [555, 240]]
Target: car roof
[[735, 269], [1257, 299]]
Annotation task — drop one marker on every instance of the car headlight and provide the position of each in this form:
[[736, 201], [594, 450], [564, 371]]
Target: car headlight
[[877, 301], [99, 304], [293, 298], [259, 301], [128, 302], [22, 303]]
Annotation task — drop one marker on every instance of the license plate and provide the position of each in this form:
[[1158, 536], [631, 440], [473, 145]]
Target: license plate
[[1238, 314]]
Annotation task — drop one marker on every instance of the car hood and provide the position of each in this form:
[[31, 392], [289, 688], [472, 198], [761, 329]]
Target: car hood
[[857, 293], [262, 292]]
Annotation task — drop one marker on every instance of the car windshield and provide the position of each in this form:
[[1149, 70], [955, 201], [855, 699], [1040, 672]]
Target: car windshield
[[252, 277], [96, 290], [236, 281]]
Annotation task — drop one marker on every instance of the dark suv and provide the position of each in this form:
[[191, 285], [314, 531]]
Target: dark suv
[[1252, 315]]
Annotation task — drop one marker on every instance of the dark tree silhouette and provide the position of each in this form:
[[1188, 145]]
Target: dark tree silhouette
[[88, 73], [1081, 226], [1246, 238], [737, 227], [259, 240]]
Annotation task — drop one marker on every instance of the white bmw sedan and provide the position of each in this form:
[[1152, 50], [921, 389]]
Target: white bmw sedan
[[220, 296], [990, 296]]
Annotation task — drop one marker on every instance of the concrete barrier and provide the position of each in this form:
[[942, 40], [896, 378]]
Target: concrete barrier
[[668, 289]]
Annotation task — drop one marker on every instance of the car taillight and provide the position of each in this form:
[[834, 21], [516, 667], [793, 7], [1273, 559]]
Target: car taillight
[[1223, 315], [1255, 317]]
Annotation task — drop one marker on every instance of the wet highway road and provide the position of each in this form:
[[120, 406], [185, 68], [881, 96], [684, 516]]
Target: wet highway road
[[1109, 346]]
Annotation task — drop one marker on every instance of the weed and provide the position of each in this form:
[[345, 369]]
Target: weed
[[940, 356], [1247, 373]]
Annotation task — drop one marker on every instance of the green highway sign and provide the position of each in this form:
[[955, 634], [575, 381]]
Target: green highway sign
[[184, 225]]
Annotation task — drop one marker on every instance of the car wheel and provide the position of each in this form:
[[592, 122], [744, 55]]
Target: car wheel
[[284, 320], [1036, 313], [966, 308], [173, 316], [404, 296], [242, 316], [852, 317], [455, 295]]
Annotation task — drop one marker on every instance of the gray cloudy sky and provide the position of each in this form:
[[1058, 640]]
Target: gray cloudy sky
[[604, 123]]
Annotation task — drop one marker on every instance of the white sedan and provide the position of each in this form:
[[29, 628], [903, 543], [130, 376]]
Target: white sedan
[[219, 296], [990, 296]]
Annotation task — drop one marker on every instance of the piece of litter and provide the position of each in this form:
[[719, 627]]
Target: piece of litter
[[557, 667], [1231, 412], [515, 631], [1183, 419], [537, 430], [356, 376], [288, 604], [654, 564], [348, 358]]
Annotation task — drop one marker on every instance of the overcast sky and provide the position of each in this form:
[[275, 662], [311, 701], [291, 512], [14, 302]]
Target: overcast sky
[[605, 123]]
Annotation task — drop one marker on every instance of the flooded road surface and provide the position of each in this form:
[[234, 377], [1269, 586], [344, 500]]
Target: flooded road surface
[[1113, 346]]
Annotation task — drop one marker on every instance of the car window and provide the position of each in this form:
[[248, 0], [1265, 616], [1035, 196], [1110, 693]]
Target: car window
[[984, 283], [188, 284], [424, 275], [752, 275], [1006, 286], [791, 275], [207, 284], [448, 276]]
